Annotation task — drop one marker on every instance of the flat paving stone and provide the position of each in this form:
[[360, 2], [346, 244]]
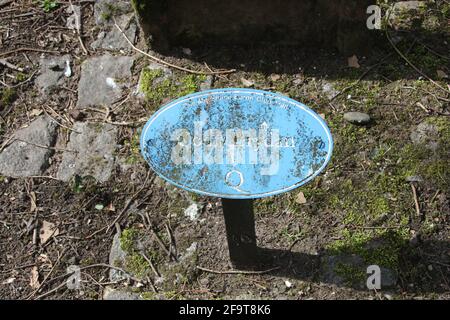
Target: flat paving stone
[[54, 70], [115, 294], [94, 145], [105, 10], [29, 155], [117, 257], [113, 39], [103, 80]]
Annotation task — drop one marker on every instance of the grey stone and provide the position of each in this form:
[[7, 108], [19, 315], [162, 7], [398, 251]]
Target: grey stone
[[21, 159], [117, 258], [114, 294], [166, 74], [427, 135], [357, 118], [90, 152], [207, 84], [52, 73], [103, 79], [192, 212], [414, 179], [114, 39], [105, 10]]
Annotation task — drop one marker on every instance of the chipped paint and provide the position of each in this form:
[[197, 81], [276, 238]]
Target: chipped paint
[[237, 143]]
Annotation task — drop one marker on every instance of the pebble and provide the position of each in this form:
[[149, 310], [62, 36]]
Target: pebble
[[357, 118]]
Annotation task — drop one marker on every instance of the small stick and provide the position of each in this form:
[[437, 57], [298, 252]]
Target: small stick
[[47, 276], [152, 285], [170, 64], [172, 240], [45, 147], [127, 205], [44, 177], [28, 49], [10, 65], [161, 244], [58, 123], [25, 81], [412, 65], [237, 271], [5, 2], [416, 201], [151, 264]]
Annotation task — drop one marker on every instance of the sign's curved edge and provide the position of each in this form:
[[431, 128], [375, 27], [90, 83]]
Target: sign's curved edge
[[228, 90]]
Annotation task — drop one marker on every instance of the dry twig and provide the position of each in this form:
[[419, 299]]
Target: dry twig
[[170, 64], [237, 271]]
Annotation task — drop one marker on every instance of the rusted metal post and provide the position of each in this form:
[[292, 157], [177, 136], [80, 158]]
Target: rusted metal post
[[241, 235]]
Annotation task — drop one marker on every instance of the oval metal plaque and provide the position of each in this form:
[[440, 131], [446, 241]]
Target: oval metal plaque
[[236, 143]]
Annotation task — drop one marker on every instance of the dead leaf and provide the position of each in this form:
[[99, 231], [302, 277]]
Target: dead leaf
[[9, 280], [35, 112], [322, 115], [300, 199], [275, 77], [353, 62], [111, 207], [48, 230], [44, 260], [34, 278], [441, 74], [247, 83]]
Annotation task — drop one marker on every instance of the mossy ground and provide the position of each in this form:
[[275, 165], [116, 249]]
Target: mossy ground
[[156, 88]]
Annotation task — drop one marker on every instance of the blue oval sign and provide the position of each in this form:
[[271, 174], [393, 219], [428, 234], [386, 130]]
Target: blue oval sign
[[236, 143]]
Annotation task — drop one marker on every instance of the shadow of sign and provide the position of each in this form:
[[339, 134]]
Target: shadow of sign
[[423, 268]]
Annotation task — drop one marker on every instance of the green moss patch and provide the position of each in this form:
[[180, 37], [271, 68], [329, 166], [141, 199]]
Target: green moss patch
[[156, 88]]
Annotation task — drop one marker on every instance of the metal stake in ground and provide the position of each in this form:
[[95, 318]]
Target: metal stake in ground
[[237, 145], [241, 235]]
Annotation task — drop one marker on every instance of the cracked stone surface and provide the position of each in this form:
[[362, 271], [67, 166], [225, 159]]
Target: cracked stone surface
[[115, 294], [53, 72], [90, 152], [21, 159], [113, 39], [117, 257], [103, 80], [104, 10]]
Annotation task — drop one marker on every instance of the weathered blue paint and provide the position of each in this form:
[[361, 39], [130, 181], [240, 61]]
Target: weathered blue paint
[[183, 142]]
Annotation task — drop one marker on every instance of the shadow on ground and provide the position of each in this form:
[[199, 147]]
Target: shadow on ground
[[421, 268], [329, 63]]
